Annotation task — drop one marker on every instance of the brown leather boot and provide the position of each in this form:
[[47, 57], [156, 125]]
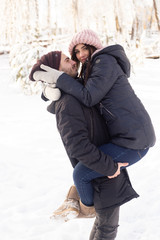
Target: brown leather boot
[[70, 207], [86, 211]]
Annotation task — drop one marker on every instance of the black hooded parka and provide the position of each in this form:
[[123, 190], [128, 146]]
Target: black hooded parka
[[82, 130], [108, 87]]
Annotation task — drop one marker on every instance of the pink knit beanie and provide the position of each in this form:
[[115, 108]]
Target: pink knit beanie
[[86, 36]]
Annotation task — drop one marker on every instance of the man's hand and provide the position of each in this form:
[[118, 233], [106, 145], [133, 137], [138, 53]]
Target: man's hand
[[119, 169], [52, 93], [49, 76]]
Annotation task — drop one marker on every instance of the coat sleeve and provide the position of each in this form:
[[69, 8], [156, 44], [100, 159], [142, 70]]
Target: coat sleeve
[[73, 129], [104, 73]]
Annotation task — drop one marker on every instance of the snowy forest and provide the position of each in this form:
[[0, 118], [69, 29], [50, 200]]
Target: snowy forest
[[30, 28], [35, 171]]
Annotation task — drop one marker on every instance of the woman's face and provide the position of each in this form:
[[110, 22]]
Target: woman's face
[[82, 52]]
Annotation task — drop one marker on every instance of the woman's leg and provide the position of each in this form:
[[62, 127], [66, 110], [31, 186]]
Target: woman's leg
[[121, 154], [106, 224], [82, 177]]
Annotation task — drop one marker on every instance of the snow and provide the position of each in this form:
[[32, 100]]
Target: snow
[[35, 172]]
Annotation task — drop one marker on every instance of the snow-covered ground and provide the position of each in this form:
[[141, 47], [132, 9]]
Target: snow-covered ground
[[35, 172]]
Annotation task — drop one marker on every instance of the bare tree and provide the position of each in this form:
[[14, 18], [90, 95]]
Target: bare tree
[[75, 14], [157, 13], [6, 22], [48, 14], [37, 18]]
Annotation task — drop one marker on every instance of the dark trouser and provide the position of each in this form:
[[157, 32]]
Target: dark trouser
[[105, 225]]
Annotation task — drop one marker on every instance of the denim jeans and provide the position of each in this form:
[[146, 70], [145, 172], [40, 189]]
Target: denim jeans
[[83, 176]]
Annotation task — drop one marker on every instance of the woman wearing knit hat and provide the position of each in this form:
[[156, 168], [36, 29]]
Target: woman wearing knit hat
[[105, 73]]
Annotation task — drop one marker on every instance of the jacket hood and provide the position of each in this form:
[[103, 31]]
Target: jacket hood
[[116, 51]]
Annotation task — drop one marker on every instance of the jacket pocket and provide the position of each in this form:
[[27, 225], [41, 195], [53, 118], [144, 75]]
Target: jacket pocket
[[107, 114]]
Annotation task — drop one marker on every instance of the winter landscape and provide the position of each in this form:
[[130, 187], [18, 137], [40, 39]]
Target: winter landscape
[[35, 172]]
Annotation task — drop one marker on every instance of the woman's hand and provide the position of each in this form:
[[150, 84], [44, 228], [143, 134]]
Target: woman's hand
[[50, 75], [119, 169], [51, 92]]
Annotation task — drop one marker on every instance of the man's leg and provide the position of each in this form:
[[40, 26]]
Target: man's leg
[[105, 225]]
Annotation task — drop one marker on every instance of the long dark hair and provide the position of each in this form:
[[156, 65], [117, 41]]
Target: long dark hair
[[87, 65]]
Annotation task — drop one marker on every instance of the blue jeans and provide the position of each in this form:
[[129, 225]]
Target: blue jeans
[[83, 176]]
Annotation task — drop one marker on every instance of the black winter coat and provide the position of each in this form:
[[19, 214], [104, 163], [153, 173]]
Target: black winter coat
[[128, 122], [82, 129]]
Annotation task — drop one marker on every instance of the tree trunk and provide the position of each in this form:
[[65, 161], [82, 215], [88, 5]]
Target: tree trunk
[[157, 13], [37, 18], [48, 14], [75, 14]]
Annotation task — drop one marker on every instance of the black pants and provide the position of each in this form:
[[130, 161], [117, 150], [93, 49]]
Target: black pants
[[105, 225]]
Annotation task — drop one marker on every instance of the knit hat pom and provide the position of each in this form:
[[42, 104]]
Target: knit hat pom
[[86, 36]]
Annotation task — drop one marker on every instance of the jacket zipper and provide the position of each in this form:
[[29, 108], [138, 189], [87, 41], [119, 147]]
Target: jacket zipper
[[91, 111]]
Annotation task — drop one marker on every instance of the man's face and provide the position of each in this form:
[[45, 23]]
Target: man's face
[[68, 66]]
